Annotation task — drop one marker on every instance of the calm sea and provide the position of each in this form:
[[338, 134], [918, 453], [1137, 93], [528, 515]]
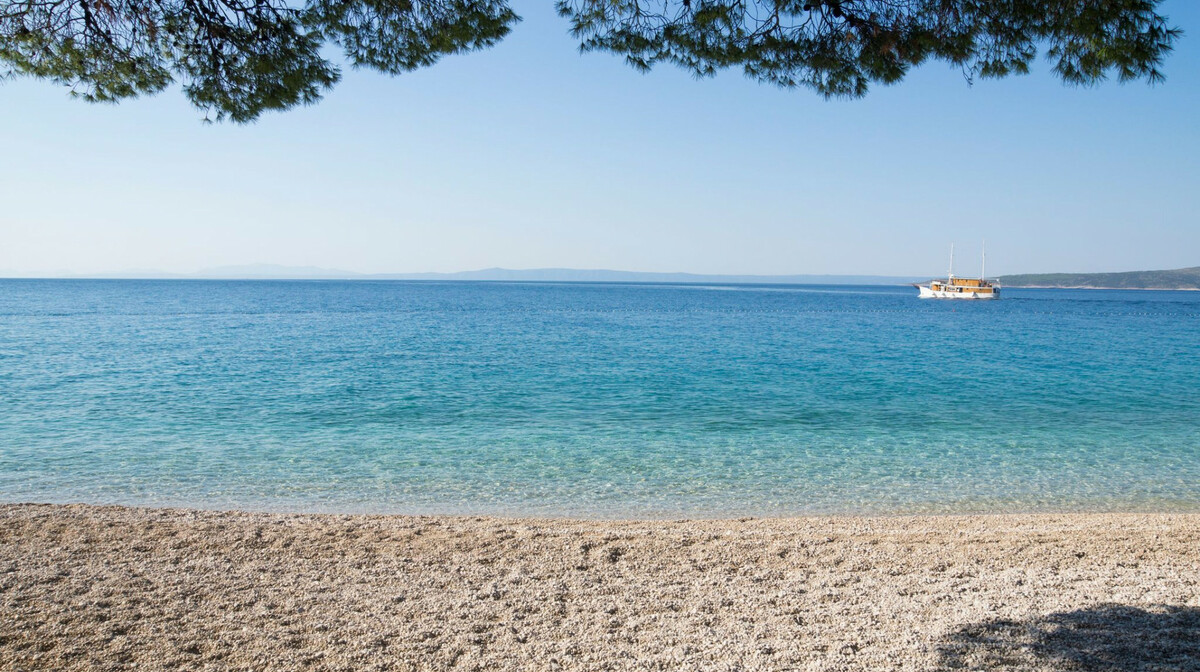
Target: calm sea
[[599, 400]]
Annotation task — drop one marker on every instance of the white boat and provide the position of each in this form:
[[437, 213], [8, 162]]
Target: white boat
[[960, 288]]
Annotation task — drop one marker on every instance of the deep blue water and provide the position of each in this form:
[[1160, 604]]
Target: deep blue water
[[596, 399]]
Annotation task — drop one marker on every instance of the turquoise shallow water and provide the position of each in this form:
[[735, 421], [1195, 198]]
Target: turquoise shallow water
[[596, 400]]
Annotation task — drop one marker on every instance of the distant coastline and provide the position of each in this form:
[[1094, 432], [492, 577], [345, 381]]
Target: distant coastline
[[276, 272], [1176, 279], [1136, 289]]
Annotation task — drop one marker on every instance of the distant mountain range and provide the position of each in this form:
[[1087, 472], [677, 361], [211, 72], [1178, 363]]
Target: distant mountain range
[[276, 272], [1180, 278], [1183, 278]]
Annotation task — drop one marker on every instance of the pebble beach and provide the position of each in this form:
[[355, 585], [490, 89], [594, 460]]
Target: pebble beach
[[111, 588]]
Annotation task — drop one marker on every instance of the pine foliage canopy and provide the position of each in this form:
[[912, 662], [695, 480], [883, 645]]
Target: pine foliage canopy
[[236, 59]]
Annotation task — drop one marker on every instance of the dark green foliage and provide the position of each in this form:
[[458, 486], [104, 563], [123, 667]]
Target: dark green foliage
[[1181, 278], [839, 47], [234, 58], [239, 58], [397, 35]]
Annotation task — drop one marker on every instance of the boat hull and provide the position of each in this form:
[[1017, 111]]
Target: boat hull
[[930, 293]]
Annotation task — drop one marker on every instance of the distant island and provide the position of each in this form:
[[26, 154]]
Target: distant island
[[1180, 278], [277, 272]]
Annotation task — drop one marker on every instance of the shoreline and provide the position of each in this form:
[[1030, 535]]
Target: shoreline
[[1135, 289], [1169, 508], [110, 587]]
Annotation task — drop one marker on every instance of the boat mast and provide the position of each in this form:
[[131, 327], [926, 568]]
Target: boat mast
[[983, 264], [950, 274]]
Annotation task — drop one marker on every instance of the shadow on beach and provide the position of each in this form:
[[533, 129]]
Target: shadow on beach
[[1106, 638]]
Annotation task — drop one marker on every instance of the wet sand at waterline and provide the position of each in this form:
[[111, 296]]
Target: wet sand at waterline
[[85, 587]]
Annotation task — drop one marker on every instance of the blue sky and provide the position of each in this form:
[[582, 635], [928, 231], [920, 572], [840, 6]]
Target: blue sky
[[532, 155]]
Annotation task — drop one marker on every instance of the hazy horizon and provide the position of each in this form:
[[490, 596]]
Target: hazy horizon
[[273, 270], [278, 271]]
